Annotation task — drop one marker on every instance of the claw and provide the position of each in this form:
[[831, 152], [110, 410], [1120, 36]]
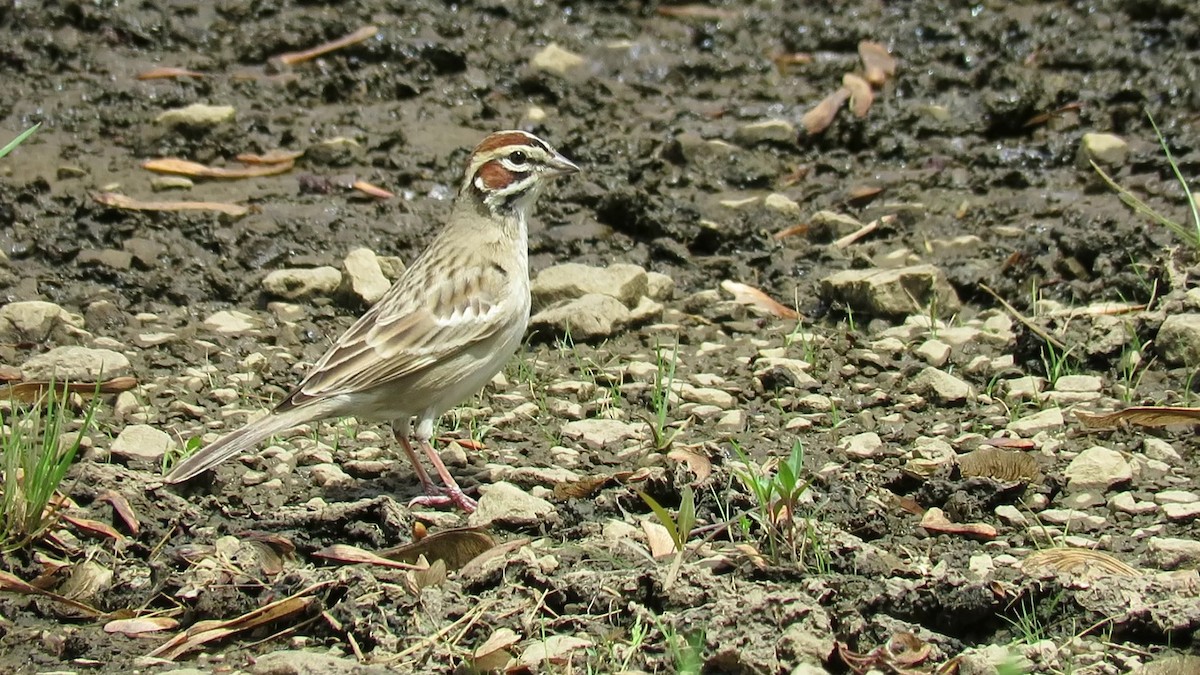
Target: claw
[[444, 497]]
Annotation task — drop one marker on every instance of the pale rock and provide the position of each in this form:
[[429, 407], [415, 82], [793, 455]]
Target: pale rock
[[507, 504], [831, 225], [1179, 339], [706, 396], [1181, 512], [297, 662], [1168, 553], [782, 204], [962, 245], [148, 340], [75, 364], [126, 405], [590, 317], [798, 424], [329, 474], [303, 282], [1072, 519], [981, 565], [1158, 449], [917, 289], [142, 442], [940, 386], [1024, 388], [888, 345], [391, 266], [1124, 502], [774, 372], [286, 311], [732, 422], [230, 322], [1050, 419], [934, 352], [702, 412], [865, 445], [569, 281], [336, 151], [645, 311], [556, 60], [197, 116], [38, 322], [1108, 150], [1083, 500], [601, 433], [766, 131], [1097, 467], [164, 183], [362, 277], [958, 336], [616, 531], [1079, 383], [659, 286], [1011, 515], [814, 403], [1176, 497]]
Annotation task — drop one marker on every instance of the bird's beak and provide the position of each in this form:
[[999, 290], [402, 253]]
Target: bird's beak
[[561, 166]]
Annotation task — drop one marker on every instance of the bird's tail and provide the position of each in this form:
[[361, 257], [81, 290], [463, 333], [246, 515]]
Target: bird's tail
[[237, 442]]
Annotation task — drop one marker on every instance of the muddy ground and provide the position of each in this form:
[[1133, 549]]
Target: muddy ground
[[977, 134]]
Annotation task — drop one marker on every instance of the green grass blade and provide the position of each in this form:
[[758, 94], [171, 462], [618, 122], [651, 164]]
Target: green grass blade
[[664, 517], [1187, 191], [19, 139]]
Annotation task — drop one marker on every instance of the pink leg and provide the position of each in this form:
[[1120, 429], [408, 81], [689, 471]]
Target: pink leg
[[415, 460], [445, 496]]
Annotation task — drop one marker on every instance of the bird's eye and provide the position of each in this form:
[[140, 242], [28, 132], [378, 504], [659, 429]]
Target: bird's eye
[[518, 157]]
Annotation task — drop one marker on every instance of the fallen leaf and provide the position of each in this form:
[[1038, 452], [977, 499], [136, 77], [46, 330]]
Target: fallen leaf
[[554, 649], [32, 391], [477, 563], [1042, 118], [344, 553], [878, 64], [1012, 443], [93, 527], [1142, 416], [751, 296], [861, 96], [863, 231], [698, 464], [493, 654], [361, 35], [13, 584], [658, 540], [203, 632], [821, 116], [123, 202], [183, 167], [139, 626], [455, 547], [756, 558], [167, 72], [860, 194], [271, 157], [935, 520]]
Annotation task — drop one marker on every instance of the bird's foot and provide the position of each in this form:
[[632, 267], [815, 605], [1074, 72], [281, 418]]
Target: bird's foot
[[438, 498]]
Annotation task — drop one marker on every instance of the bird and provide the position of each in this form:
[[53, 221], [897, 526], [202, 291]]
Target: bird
[[439, 334]]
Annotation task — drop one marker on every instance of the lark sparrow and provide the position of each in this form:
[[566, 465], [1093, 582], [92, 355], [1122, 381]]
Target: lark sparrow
[[442, 330]]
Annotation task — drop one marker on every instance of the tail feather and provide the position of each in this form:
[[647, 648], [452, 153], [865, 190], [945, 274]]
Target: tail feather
[[236, 443]]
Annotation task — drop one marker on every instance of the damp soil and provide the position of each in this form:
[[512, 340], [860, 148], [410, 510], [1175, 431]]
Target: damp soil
[[973, 145]]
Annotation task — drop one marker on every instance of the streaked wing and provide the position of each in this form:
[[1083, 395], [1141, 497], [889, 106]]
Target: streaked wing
[[417, 324]]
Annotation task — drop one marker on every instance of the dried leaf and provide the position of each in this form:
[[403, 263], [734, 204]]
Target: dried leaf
[[554, 649], [123, 202], [698, 464], [167, 72], [1084, 563], [935, 520], [204, 632], [786, 60], [757, 559], [821, 116], [13, 584], [751, 296], [801, 229], [432, 575], [861, 96], [477, 563], [861, 194], [1042, 118], [271, 157], [1142, 416], [863, 231], [1005, 465], [361, 35], [93, 527], [658, 539], [140, 625], [493, 654], [877, 62], [1011, 443], [183, 167], [32, 391], [371, 190], [455, 547], [344, 553]]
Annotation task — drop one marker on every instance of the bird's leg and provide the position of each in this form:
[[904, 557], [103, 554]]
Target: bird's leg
[[415, 460], [439, 496]]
